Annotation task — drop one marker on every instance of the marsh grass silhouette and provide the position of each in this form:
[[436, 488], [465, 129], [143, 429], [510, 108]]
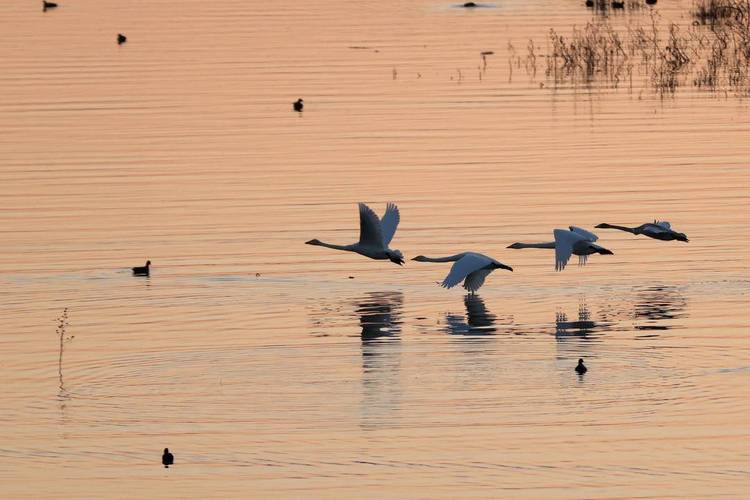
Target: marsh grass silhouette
[[712, 52]]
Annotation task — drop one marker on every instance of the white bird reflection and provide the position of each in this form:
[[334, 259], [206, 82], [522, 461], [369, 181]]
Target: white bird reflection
[[380, 322], [657, 306], [478, 320]]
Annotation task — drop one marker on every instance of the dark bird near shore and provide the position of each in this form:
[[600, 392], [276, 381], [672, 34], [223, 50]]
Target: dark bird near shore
[[298, 104], [469, 5], [142, 270], [48, 5], [658, 230], [650, 2], [167, 458], [581, 368], [617, 4], [589, 3], [121, 39]]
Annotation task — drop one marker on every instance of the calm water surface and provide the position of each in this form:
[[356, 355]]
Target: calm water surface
[[180, 146]]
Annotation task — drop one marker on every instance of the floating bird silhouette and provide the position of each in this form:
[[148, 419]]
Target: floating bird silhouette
[[121, 39], [48, 5], [469, 5], [616, 4], [470, 267], [659, 230], [298, 105], [167, 458], [142, 270], [650, 2], [581, 368], [576, 241], [375, 235]]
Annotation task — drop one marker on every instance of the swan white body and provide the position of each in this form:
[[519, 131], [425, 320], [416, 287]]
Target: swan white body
[[574, 241], [470, 267], [658, 230], [375, 235]]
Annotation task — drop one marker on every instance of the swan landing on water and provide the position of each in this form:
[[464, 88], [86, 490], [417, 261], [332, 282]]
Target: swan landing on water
[[374, 235], [659, 230], [473, 268], [576, 241]]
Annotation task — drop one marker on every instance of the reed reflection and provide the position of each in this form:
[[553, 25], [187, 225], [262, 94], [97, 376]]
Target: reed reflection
[[478, 320], [583, 328], [380, 322]]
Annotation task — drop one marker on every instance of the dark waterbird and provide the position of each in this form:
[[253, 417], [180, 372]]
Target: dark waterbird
[[142, 270], [48, 5], [469, 5], [121, 39], [581, 368], [650, 2], [589, 3], [298, 105], [617, 4], [167, 458]]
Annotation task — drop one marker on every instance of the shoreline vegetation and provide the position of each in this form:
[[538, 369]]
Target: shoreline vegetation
[[711, 51]]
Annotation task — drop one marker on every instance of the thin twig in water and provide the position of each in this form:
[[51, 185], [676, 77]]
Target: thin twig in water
[[62, 325]]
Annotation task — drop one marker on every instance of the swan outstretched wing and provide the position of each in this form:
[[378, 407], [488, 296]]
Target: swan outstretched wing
[[564, 243], [657, 227], [464, 266], [389, 223], [586, 234], [370, 232], [475, 280]]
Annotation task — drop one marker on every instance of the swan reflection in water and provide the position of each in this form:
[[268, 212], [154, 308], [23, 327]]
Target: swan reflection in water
[[656, 305], [380, 322], [478, 320], [380, 315]]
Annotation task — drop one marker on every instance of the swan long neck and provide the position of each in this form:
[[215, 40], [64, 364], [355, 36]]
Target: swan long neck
[[621, 228], [549, 244], [450, 258], [347, 248]]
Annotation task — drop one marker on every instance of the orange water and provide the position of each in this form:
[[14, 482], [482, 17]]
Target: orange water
[[180, 146]]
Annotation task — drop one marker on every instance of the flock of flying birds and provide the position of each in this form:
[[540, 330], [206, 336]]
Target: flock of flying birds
[[375, 235]]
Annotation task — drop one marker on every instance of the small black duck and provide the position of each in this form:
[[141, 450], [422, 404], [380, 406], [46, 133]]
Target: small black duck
[[142, 270]]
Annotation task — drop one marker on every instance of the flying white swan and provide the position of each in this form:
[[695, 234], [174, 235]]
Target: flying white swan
[[374, 235], [659, 230], [576, 241], [470, 267]]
